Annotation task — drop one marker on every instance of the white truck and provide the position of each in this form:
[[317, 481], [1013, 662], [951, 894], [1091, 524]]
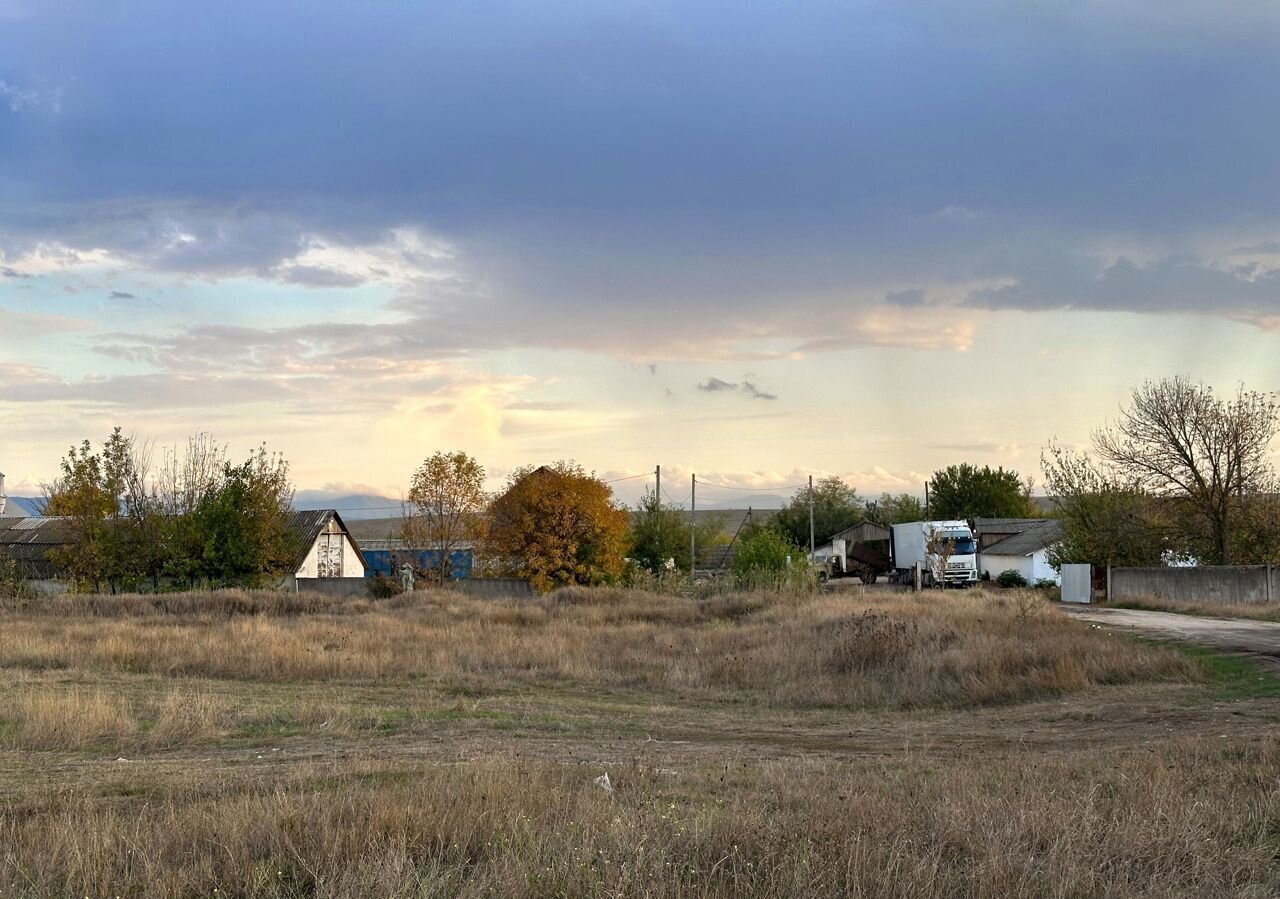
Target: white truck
[[953, 561]]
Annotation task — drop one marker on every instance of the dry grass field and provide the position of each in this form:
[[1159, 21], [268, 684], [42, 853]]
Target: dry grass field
[[861, 744]]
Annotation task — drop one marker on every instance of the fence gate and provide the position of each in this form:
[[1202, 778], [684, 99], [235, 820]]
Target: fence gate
[[1077, 583]]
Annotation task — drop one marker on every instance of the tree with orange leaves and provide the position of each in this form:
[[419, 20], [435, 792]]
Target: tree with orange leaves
[[557, 525]]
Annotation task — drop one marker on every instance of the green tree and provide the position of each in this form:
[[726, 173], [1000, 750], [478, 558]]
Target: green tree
[[895, 509], [1106, 520], [240, 524], [762, 549], [446, 507], [836, 506], [966, 491], [660, 534], [92, 493]]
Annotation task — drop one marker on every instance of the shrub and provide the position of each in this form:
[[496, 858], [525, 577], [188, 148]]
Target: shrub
[[764, 550], [383, 587], [1011, 578]]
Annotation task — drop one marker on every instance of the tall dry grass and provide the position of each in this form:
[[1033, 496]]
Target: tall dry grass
[[1191, 820], [42, 716], [864, 650]]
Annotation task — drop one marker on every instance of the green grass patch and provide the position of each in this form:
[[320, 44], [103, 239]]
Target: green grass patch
[[1234, 676]]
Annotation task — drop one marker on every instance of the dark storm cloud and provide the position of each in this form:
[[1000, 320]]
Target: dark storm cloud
[[748, 169]]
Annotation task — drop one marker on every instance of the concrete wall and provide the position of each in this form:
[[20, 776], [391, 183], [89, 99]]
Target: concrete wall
[[494, 587], [350, 587], [1220, 583]]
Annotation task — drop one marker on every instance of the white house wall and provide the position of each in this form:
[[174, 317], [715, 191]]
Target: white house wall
[[996, 565], [1034, 567], [1042, 570], [351, 566]]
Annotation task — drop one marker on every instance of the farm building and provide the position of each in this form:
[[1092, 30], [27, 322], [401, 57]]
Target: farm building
[[385, 557], [385, 550], [1021, 545], [318, 547]]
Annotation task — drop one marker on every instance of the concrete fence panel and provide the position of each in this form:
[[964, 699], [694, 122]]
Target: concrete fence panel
[[349, 587], [1218, 583], [494, 587]]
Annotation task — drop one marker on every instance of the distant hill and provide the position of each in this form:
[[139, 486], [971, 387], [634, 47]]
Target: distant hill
[[717, 500], [354, 507]]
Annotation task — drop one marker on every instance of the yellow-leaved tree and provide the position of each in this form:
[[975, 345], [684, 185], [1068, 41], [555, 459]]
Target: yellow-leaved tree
[[557, 525]]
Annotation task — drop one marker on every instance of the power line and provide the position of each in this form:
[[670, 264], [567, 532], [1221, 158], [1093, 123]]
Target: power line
[[750, 489], [647, 474]]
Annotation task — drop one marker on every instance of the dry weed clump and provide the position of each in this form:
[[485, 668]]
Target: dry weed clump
[[860, 650], [1188, 820], [74, 719]]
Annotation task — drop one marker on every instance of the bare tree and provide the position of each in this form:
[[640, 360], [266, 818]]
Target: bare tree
[[447, 503], [1181, 441], [939, 548]]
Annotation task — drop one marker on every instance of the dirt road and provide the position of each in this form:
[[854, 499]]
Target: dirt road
[[1260, 638]]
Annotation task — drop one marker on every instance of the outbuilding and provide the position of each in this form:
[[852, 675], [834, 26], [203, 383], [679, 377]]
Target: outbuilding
[[321, 552], [1025, 551]]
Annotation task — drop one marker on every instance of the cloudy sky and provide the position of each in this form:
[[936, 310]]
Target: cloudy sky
[[755, 240]]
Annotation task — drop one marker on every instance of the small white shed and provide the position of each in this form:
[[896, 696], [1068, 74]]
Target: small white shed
[[1026, 552]]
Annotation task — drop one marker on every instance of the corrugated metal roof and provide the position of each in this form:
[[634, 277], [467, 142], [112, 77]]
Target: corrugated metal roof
[[1030, 540], [28, 541], [1004, 525], [302, 529]]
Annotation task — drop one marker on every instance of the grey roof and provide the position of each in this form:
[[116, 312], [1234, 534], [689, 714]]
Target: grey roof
[[27, 541], [1004, 525], [1041, 535]]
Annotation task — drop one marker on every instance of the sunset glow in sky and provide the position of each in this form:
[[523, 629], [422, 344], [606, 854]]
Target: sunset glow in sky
[[758, 241]]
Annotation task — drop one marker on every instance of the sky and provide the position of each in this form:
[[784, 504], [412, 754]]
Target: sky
[[752, 240]]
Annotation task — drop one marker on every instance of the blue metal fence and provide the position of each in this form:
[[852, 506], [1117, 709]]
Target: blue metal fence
[[387, 562]]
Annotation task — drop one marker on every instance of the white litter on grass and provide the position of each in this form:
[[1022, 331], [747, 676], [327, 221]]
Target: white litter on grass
[[604, 783]]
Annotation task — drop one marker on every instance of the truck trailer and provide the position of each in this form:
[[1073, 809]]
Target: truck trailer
[[945, 550]]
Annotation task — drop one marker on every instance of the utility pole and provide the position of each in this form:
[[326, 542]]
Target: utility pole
[[810, 518], [657, 499], [926, 502], [693, 525]]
